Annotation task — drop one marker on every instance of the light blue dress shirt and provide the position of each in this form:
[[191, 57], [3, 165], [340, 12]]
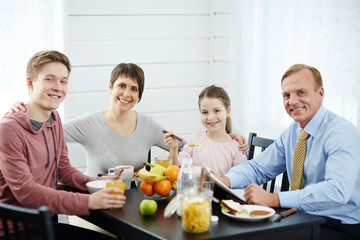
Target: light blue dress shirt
[[331, 170]]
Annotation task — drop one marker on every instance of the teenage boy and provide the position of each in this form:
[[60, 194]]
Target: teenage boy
[[34, 157]]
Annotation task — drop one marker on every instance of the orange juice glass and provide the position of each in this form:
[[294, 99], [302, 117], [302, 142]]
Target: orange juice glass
[[163, 162], [119, 183]]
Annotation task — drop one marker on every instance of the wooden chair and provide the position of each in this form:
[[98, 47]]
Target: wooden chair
[[263, 143], [26, 217]]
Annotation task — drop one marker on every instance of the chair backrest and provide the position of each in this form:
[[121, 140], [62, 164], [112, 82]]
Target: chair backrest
[[21, 219], [263, 143], [255, 141]]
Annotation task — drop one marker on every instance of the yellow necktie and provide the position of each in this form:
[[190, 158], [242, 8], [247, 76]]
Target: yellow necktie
[[298, 163]]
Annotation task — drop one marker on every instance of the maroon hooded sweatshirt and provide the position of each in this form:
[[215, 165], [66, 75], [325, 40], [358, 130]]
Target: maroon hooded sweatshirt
[[31, 164]]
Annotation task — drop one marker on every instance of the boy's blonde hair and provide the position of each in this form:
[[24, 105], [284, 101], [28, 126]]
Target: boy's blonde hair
[[38, 60]]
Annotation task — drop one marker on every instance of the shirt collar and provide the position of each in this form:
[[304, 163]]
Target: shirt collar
[[314, 124]]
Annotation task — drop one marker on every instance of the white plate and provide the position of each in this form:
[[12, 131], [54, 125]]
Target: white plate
[[246, 217]]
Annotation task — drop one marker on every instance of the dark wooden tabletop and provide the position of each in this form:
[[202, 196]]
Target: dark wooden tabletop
[[129, 223]]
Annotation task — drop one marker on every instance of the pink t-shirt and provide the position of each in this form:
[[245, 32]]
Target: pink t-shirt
[[218, 156]]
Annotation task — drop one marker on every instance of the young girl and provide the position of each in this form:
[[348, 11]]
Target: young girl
[[217, 148]]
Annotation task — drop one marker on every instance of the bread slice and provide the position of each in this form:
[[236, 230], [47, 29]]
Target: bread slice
[[232, 206]]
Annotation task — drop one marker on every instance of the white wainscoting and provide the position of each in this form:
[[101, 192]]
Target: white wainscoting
[[160, 27]]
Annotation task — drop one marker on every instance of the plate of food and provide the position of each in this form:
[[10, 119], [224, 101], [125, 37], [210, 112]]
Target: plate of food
[[246, 212]]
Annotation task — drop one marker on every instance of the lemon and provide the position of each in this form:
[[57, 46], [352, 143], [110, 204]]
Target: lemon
[[148, 207], [193, 144]]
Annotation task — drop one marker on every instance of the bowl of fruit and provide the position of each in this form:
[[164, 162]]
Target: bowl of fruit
[[159, 183]]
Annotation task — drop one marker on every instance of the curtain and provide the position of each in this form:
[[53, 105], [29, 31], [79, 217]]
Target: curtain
[[26, 27], [267, 37]]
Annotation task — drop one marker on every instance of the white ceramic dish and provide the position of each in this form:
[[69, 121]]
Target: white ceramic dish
[[95, 186], [246, 216]]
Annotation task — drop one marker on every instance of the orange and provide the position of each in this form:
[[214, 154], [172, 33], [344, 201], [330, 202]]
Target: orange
[[172, 171], [147, 188], [163, 187]]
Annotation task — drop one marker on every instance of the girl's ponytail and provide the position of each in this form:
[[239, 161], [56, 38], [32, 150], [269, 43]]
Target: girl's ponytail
[[228, 126]]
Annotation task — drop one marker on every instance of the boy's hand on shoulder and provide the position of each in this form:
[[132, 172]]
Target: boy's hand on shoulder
[[16, 107]]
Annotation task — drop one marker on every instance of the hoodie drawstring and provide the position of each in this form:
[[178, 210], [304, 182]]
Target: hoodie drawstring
[[48, 152], [47, 148]]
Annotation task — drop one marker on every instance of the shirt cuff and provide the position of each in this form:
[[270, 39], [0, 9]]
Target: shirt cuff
[[234, 179], [289, 199]]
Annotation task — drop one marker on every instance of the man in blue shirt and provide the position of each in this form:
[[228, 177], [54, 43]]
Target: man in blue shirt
[[331, 176]]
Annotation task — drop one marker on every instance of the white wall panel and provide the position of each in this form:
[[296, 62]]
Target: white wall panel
[[221, 25], [96, 78], [221, 52], [221, 73], [176, 75], [150, 51], [89, 79], [126, 7], [95, 28], [223, 5], [222, 10]]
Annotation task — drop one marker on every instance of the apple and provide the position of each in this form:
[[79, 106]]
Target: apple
[[148, 207]]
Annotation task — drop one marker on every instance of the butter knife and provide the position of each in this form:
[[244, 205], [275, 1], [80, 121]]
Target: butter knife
[[277, 217]]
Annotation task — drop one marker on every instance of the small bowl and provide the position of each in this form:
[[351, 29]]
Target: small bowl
[[155, 196], [95, 186]]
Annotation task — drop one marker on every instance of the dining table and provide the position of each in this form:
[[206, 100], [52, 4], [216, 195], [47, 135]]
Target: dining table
[[129, 223]]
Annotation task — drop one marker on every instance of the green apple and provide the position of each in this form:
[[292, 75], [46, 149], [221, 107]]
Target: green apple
[[148, 207], [158, 170]]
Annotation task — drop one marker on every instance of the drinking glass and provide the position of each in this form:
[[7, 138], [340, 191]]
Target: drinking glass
[[116, 182], [208, 189], [163, 161]]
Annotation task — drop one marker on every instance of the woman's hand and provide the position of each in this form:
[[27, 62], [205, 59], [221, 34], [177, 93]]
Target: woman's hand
[[169, 141], [16, 107], [104, 200], [243, 146]]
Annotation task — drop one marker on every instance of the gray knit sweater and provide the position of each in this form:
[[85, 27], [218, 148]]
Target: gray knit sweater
[[105, 149]]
